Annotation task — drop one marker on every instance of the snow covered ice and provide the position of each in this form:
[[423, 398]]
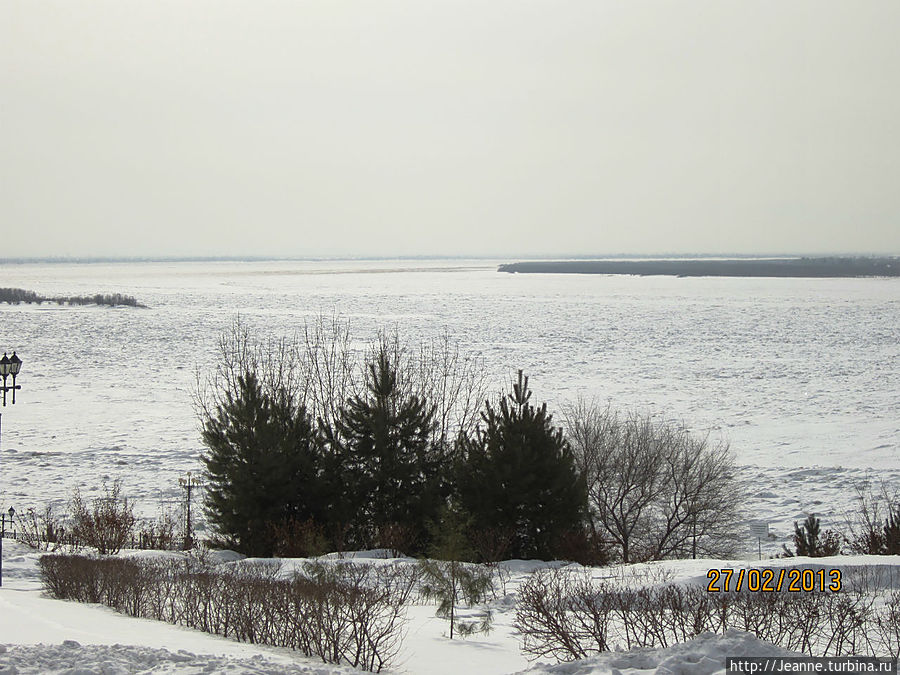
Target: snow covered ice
[[801, 376]]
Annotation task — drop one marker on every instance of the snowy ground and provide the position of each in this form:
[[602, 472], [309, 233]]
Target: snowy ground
[[42, 635]]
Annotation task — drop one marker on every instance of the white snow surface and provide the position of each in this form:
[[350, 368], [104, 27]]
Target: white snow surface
[[704, 655], [43, 635]]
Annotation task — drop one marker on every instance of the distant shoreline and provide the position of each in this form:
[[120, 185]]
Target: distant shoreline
[[838, 267], [15, 296]]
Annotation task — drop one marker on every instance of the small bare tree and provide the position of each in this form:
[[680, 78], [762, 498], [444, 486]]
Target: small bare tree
[[655, 491], [160, 534], [41, 530], [455, 382], [700, 500], [106, 524]]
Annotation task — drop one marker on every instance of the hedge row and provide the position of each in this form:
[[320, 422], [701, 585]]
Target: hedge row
[[568, 616], [341, 613]]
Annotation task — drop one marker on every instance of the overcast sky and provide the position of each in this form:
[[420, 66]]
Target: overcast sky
[[406, 127]]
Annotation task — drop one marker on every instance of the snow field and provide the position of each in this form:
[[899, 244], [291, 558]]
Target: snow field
[[35, 628]]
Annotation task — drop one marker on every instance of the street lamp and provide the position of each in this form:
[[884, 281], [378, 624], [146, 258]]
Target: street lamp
[[8, 366], [188, 483]]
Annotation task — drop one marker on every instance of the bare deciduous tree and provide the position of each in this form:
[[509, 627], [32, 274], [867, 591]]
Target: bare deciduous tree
[[321, 368], [655, 491]]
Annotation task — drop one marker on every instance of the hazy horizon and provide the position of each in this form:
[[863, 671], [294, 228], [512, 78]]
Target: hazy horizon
[[511, 129], [426, 257]]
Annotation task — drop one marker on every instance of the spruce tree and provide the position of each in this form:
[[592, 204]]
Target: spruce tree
[[261, 464], [453, 583], [518, 475], [810, 541], [389, 470]]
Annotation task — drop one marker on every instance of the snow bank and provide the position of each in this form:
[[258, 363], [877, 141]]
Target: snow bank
[[704, 655], [71, 658]]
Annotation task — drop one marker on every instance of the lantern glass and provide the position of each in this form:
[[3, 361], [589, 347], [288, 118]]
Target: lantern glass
[[15, 365], [5, 366]]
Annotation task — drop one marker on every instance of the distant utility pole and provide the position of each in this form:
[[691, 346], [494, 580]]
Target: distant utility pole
[[188, 483]]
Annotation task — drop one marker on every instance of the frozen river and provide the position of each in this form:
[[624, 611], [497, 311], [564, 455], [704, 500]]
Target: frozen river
[[802, 376]]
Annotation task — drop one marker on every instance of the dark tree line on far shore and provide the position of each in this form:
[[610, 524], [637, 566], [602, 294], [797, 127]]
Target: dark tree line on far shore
[[16, 296], [833, 266]]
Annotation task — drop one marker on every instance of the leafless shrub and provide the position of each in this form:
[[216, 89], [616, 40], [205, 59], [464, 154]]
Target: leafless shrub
[[106, 524], [491, 544], [564, 615], [848, 624], [342, 613], [360, 611], [298, 539], [886, 625], [874, 528], [65, 577], [159, 534], [41, 530]]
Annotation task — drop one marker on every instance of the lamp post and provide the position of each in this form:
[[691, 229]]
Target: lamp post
[[188, 483], [8, 366], [12, 517]]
